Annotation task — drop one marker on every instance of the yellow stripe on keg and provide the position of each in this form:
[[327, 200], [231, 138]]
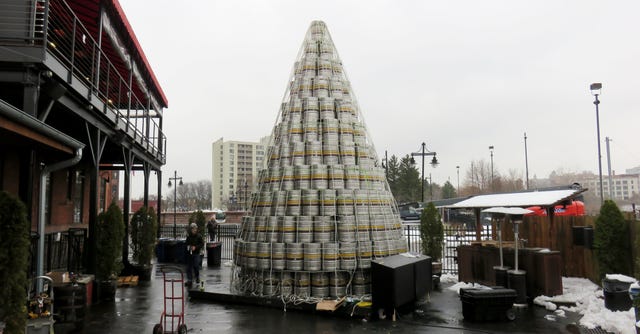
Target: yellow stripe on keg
[[330, 256], [348, 255]]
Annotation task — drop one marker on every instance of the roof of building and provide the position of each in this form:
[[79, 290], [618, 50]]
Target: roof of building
[[89, 12], [540, 197]]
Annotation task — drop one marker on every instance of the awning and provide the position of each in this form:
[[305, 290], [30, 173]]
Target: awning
[[520, 199], [15, 124]]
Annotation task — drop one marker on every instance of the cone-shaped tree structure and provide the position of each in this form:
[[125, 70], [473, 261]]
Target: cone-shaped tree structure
[[323, 209]]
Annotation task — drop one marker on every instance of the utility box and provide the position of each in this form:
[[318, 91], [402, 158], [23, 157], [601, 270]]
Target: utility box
[[399, 280], [494, 304]]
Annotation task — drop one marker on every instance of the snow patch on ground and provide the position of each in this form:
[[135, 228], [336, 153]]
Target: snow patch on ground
[[589, 302], [460, 285], [587, 297], [448, 278]]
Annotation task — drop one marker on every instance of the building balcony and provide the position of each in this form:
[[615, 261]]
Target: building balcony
[[83, 46]]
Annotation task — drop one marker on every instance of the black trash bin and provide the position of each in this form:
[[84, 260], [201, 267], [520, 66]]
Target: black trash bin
[[180, 251], [616, 294], [214, 254], [162, 251]]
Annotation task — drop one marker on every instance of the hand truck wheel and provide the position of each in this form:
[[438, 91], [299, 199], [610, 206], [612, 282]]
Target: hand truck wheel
[[182, 329], [157, 329]]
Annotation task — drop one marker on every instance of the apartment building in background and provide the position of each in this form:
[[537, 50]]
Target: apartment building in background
[[235, 168], [622, 187]]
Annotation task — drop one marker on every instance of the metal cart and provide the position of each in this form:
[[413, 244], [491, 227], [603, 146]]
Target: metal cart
[[172, 317]]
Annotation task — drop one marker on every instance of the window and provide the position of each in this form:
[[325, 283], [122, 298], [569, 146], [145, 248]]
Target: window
[[78, 188]]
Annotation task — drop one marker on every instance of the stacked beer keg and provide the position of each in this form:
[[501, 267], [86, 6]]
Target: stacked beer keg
[[323, 209]]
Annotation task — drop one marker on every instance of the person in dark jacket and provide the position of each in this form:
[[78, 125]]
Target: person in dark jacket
[[195, 244], [211, 227]]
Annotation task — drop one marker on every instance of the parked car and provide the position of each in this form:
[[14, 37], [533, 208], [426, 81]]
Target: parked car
[[408, 213]]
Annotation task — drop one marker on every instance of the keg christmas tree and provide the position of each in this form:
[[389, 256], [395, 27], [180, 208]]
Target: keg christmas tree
[[323, 208]]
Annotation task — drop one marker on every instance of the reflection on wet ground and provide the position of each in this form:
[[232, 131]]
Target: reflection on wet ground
[[138, 309]]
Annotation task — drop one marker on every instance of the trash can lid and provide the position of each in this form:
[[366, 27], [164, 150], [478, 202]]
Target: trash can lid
[[620, 278]]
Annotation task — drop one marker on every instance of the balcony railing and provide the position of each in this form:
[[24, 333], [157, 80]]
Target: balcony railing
[[106, 76]]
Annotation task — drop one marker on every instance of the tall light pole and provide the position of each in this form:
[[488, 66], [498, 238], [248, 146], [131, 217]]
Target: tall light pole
[[175, 179], [385, 165], [611, 193], [246, 194], [491, 150], [458, 172], [526, 160], [595, 91], [434, 163]]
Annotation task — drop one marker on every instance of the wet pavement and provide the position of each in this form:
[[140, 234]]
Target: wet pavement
[[137, 309]]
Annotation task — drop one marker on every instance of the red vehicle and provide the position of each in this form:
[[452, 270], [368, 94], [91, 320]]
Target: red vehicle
[[576, 208]]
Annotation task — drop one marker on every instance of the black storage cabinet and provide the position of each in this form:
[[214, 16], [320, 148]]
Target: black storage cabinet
[[399, 280], [494, 304]]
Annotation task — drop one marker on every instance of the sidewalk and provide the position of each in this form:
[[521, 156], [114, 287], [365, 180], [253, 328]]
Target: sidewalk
[[138, 309]]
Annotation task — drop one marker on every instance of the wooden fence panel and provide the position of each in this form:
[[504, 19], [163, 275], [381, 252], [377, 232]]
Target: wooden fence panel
[[557, 234]]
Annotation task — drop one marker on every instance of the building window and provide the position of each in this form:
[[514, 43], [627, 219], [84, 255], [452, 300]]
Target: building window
[[78, 188]]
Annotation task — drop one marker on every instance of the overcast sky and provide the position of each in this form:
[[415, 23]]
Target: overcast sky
[[457, 75]]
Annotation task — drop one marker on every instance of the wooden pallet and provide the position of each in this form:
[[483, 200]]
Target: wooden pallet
[[127, 281]]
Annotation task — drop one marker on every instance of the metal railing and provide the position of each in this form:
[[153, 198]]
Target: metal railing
[[55, 28], [453, 237], [71, 43], [63, 251], [225, 233]]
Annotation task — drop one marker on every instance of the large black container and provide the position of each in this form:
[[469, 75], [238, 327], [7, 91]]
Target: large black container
[[180, 251], [616, 295], [162, 250], [70, 304], [588, 237], [487, 304], [214, 254], [399, 280], [578, 235]]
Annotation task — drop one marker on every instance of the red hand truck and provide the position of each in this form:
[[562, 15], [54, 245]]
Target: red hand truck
[[172, 318]]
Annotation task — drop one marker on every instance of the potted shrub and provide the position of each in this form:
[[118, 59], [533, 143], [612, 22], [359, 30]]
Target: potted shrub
[[432, 236], [14, 253], [109, 238], [611, 241], [143, 238]]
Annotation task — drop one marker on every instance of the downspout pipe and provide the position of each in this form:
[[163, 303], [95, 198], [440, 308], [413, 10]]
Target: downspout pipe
[[46, 171], [9, 111]]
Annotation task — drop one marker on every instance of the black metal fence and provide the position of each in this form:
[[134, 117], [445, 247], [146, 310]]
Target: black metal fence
[[62, 251], [453, 237], [225, 233]]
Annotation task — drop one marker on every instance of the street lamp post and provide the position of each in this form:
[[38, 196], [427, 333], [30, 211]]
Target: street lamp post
[[526, 160], [175, 178], [595, 91], [385, 165], [491, 150], [246, 194], [458, 172], [434, 163]]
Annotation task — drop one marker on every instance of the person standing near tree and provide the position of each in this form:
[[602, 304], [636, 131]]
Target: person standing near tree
[[211, 228], [195, 243]]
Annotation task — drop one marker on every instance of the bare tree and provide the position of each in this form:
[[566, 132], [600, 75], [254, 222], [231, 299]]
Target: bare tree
[[190, 196], [478, 178]]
